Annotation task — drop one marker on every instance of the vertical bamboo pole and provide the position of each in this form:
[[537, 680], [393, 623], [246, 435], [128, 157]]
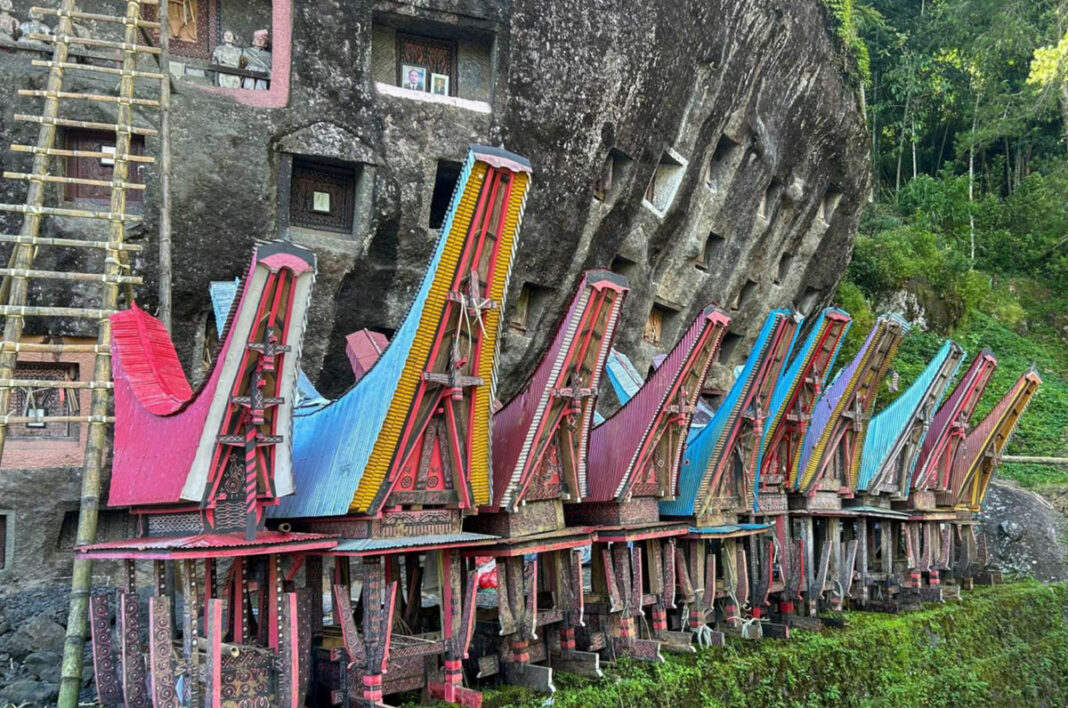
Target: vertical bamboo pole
[[77, 619], [22, 256], [165, 169]]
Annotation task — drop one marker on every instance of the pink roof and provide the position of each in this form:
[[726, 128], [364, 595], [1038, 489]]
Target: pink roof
[[209, 545], [363, 349]]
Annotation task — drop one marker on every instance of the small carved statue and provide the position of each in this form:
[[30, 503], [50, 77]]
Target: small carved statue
[[9, 26], [257, 58], [34, 25], [226, 54]]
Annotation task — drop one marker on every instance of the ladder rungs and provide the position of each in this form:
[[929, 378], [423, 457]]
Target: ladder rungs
[[16, 419], [97, 69], [78, 15], [88, 313], [59, 152], [72, 180], [52, 383], [67, 275], [89, 125], [73, 213], [42, 348], [99, 98], [90, 42], [69, 243]]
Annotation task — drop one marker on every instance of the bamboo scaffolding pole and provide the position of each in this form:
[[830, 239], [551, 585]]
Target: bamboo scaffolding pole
[[79, 15], [58, 152], [89, 313], [1035, 460], [42, 348], [97, 97], [102, 43], [72, 180], [81, 580], [15, 290], [93, 68], [72, 213], [165, 265], [72, 276], [87, 124], [69, 243]]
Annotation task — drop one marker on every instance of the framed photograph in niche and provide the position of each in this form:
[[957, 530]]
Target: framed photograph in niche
[[413, 77], [433, 56], [439, 84], [321, 202]]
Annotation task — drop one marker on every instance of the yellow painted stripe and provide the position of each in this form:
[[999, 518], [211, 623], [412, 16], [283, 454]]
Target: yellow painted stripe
[[400, 407]]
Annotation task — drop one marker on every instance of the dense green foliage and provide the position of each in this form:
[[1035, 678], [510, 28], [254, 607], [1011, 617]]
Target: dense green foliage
[[968, 231], [1005, 646]]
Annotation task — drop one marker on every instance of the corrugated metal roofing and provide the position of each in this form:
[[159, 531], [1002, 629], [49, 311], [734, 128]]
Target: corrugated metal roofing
[[888, 431], [334, 443], [223, 294], [727, 529], [355, 545], [703, 445], [940, 447], [867, 368], [208, 541], [626, 440], [623, 375]]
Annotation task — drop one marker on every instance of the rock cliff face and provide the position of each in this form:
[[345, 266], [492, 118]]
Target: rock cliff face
[[709, 150]]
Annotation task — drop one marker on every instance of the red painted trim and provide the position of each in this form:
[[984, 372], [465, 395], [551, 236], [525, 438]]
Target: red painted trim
[[206, 553]]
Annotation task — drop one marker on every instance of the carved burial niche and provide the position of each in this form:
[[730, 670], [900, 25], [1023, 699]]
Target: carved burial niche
[[446, 176], [660, 324], [727, 347], [785, 264], [710, 251], [451, 55], [809, 301], [719, 165], [614, 174], [665, 182], [769, 200], [745, 293], [5, 517], [100, 168], [528, 307], [624, 266], [323, 195], [44, 402], [828, 204]]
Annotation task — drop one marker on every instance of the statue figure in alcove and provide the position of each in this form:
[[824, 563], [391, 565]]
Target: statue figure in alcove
[[9, 26], [257, 58], [34, 25], [226, 54]]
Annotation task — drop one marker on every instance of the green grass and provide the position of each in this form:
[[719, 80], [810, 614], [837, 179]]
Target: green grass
[[1001, 646]]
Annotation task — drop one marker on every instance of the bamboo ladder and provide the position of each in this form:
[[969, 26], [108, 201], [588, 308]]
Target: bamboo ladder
[[20, 272]]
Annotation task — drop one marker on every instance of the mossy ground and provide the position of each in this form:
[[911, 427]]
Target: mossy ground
[[1000, 646]]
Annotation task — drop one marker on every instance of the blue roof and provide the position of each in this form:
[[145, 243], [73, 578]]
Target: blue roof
[[223, 293], [886, 429], [788, 377], [332, 443], [700, 444], [623, 375]]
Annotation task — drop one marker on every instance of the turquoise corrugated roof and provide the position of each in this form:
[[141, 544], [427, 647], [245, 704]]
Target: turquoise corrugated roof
[[223, 293], [700, 444], [623, 376], [886, 428], [332, 443]]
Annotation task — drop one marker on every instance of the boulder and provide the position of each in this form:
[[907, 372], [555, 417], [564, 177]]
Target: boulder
[[1026, 534], [40, 634], [29, 692]]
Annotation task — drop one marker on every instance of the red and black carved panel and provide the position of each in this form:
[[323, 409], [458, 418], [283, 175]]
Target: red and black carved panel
[[134, 681], [105, 668], [101, 168], [435, 55], [193, 27], [161, 653], [248, 679]]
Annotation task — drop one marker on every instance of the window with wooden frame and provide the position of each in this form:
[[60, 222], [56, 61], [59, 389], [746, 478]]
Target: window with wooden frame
[[44, 403], [654, 326], [322, 195], [101, 168], [614, 173], [428, 58]]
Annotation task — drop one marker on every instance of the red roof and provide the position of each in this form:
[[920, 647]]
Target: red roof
[[213, 544], [151, 365]]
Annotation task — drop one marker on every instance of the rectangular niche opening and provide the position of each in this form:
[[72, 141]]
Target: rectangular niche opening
[[421, 56], [44, 402], [710, 251], [446, 176], [624, 266], [528, 307], [744, 294], [323, 195], [5, 518], [665, 182], [101, 168], [659, 324], [809, 301], [719, 164], [769, 200], [828, 204], [785, 264], [614, 174], [727, 347]]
